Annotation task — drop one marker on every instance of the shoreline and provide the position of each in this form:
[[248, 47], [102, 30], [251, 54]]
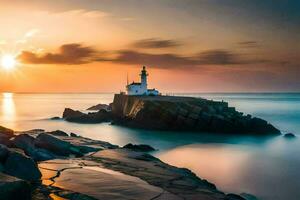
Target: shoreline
[[176, 182]]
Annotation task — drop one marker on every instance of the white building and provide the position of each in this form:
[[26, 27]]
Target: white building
[[141, 88]]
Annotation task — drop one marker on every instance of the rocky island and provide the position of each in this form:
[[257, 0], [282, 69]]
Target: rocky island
[[173, 113], [42, 165]]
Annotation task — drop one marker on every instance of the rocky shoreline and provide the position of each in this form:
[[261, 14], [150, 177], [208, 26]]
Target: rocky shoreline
[[173, 113], [55, 165]]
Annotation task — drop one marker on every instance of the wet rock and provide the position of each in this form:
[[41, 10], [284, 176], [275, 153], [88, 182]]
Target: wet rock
[[24, 142], [12, 188], [100, 107], [55, 118], [5, 135], [27, 144], [58, 133], [6, 131], [92, 117], [182, 182], [69, 113], [73, 135], [55, 145], [289, 135], [234, 197], [139, 147], [3, 153], [21, 166], [185, 114]]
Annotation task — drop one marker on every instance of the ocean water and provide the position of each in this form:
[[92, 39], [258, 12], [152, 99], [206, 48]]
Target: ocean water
[[267, 167]]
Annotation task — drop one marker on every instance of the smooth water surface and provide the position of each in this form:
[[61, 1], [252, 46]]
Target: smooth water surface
[[265, 167]]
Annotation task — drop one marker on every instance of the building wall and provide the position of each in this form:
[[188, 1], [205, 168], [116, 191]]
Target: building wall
[[152, 92], [136, 90]]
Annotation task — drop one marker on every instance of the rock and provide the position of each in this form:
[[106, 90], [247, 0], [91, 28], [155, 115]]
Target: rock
[[12, 188], [21, 166], [248, 196], [3, 153], [100, 107], [1, 168], [27, 144], [5, 135], [234, 197], [24, 142], [92, 117], [289, 135], [69, 113], [139, 147], [73, 135], [173, 113], [55, 118], [182, 182], [55, 145], [58, 133], [6, 131]]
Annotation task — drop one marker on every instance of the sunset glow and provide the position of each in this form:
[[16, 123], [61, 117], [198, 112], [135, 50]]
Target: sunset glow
[[8, 62], [210, 46]]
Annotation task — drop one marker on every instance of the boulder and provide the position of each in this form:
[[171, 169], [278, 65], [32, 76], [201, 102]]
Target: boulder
[[289, 135], [3, 153], [73, 135], [1, 168], [234, 197], [58, 133], [55, 118], [139, 147], [24, 142], [173, 113], [6, 131], [12, 188], [56, 146], [21, 166], [5, 135], [27, 144], [92, 117], [69, 113], [100, 107]]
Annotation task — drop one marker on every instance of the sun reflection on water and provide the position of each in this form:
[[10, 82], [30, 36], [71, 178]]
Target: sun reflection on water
[[8, 111]]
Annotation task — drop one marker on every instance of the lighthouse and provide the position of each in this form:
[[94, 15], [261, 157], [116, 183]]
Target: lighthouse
[[144, 75], [142, 87]]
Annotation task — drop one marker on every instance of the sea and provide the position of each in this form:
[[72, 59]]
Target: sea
[[267, 167]]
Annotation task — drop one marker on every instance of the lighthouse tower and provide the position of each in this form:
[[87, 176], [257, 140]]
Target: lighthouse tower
[[144, 75], [142, 87]]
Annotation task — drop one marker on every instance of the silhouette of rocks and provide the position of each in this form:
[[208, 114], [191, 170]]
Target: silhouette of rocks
[[185, 114], [139, 147], [100, 107], [92, 117], [21, 166], [12, 188], [289, 135]]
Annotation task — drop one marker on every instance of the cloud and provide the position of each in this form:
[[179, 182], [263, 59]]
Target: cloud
[[82, 13], [219, 57], [154, 60], [155, 43], [68, 54], [31, 33], [75, 54], [249, 44], [211, 57], [28, 35]]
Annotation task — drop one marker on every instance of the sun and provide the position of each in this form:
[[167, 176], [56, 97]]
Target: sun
[[8, 61]]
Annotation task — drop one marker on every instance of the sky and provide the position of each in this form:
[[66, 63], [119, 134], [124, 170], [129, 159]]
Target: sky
[[186, 45]]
